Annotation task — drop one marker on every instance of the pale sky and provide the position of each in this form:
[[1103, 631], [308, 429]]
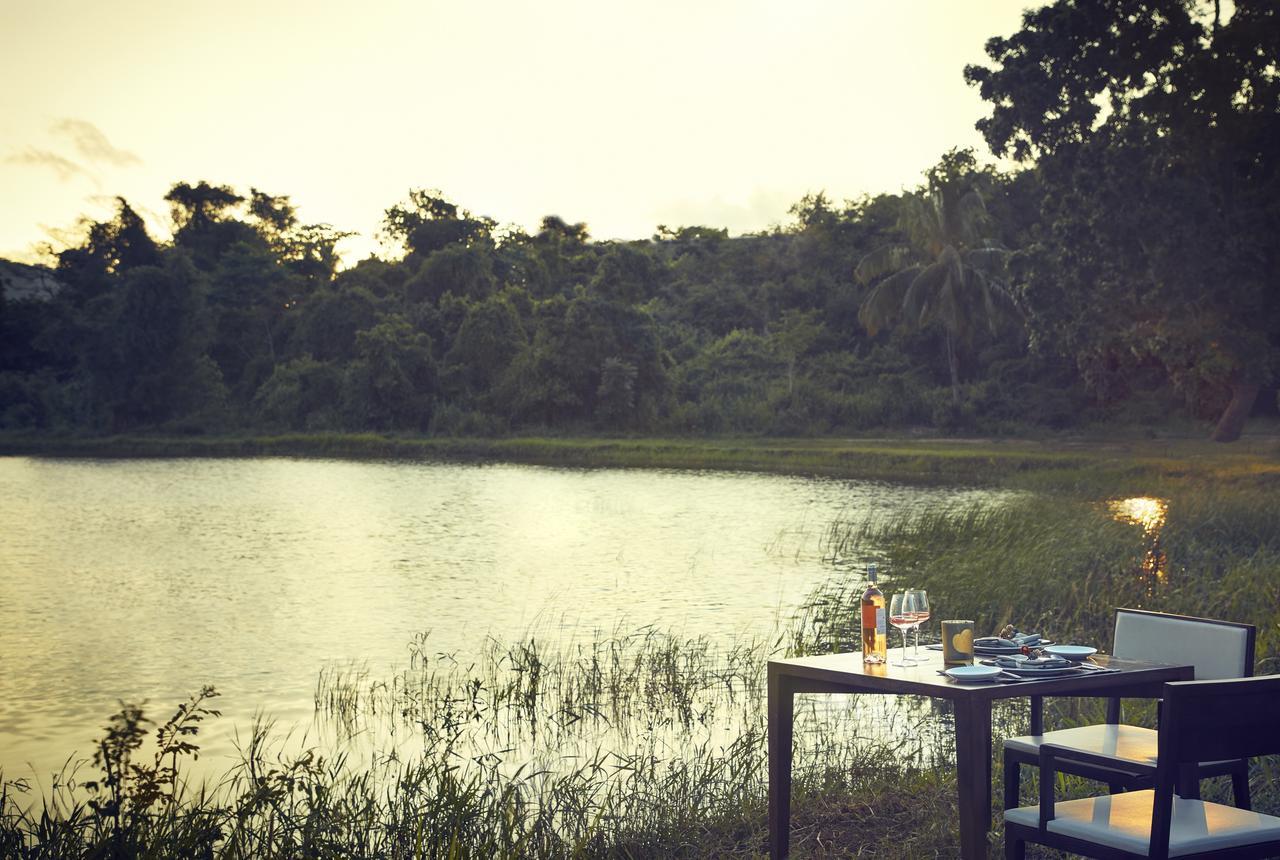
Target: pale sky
[[624, 115]]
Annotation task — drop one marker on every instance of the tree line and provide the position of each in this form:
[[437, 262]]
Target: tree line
[[1124, 270]]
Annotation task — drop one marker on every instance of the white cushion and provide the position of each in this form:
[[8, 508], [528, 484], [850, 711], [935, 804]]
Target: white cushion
[[1123, 821], [1130, 743], [1216, 650]]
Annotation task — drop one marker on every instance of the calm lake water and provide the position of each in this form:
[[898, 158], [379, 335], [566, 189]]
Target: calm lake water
[[146, 579]]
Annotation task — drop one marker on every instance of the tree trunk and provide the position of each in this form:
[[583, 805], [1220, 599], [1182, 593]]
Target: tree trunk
[[1231, 424], [953, 364]]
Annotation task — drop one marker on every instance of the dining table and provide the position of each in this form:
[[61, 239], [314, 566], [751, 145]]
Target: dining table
[[972, 702]]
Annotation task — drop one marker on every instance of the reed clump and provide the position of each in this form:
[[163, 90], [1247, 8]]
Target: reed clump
[[639, 745], [645, 744], [1061, 565]]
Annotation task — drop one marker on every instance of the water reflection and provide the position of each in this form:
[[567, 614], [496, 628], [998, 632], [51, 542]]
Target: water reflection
[[146, 579], [1149, 513], [1144, 511]]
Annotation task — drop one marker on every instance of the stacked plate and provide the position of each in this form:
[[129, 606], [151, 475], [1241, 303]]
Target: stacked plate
[[1050, 667], [992, 646]]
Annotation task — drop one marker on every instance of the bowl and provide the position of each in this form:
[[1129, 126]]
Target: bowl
[[1071, 652], [972, 673]]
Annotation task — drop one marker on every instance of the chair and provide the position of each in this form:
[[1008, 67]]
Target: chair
[[1124, 756], [1201, 720]]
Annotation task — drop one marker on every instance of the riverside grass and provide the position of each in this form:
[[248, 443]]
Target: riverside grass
[[678, 764], [1076, 464]]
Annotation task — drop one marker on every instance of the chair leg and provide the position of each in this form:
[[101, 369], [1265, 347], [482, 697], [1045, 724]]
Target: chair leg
[[1012, 780], [1240, 784], [1188, 782], [1014, 848]]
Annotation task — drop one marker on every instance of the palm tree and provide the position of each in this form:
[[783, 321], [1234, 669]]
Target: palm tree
[[949, 273]]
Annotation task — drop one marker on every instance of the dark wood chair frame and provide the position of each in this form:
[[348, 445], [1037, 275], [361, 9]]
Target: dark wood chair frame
[[1120, 775], [1202, 720]]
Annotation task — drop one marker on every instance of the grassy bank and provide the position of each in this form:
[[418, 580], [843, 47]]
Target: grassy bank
[[1086, 465], [649, 745]]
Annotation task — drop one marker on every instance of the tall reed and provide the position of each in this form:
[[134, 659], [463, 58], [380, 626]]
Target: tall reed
[[638, 744]]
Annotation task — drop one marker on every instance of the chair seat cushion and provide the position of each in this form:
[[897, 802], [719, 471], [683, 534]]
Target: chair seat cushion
[[1129, 743], [1123, 821]]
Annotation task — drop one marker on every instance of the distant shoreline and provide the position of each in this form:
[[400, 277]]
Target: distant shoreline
[[1051, 464]]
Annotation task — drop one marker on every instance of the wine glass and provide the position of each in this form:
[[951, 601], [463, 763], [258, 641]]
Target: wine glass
[[902, 616], [919, 607]]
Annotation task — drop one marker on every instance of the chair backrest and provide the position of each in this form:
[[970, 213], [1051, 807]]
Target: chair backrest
[[1210, 721], [1217, 649], [1219, 720]]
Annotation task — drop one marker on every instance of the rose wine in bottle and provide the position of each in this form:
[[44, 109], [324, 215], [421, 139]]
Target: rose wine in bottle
[[875, 636]]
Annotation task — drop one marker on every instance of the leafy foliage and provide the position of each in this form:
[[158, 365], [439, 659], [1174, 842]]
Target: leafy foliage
[[1154, 125], [1133, 262]]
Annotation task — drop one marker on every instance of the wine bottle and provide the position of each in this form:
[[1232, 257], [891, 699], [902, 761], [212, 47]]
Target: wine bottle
[[875, 635]]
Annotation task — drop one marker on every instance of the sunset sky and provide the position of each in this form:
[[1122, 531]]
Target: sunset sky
[[625, 115]]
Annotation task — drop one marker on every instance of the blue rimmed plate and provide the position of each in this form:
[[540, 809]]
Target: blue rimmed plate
[[1075, 653], [973, 673]]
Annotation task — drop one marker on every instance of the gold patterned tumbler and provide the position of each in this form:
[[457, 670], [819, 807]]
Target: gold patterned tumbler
[[957, 642]]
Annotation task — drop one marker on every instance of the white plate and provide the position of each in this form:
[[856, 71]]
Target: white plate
[[1041, 673], [972, 673], [1071, 652]]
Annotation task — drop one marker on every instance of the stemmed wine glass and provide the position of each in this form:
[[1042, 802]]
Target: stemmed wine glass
[[918, 605], [902, 616]]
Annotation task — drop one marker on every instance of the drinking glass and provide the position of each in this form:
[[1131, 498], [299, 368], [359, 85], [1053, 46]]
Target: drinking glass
[[902, 616], [918, 600]]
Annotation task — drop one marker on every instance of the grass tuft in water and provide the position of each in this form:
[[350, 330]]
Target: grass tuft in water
[[644, 744]]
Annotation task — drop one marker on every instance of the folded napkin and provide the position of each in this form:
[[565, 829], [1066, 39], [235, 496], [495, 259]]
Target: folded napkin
[[1029, 640], [1020, 662]]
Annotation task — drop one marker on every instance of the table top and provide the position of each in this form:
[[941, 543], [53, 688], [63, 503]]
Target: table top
[[848, 671]]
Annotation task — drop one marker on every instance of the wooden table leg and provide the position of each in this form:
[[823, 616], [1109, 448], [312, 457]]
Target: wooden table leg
[[780, 714], [973, 775]]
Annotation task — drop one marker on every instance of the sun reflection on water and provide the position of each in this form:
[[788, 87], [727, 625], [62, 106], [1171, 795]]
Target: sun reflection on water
[[1150, 514], [1143, 511]]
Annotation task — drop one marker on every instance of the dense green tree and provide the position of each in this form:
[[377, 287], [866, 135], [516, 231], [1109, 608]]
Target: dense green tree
[[948, 274], [740, 364], [696, 242], [793, 337], [109, 248], [276, 215], [328, 321], [429, 223], [391, 385], [249, 297], [473, 331], [628, 272], [145, 359], [616, 395], [1156, 129], [302, 394], [311, 250], [204, 221], [195, 207], [723, 306], [726, 386], [534, 389], [599, 330], [465, 271], [553, 261], [489, 339]]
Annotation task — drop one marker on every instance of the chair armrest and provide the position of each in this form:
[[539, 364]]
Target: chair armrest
[[1049, 756], [1050, 753]]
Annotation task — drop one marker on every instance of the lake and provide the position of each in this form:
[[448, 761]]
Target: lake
[[145, 579]]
